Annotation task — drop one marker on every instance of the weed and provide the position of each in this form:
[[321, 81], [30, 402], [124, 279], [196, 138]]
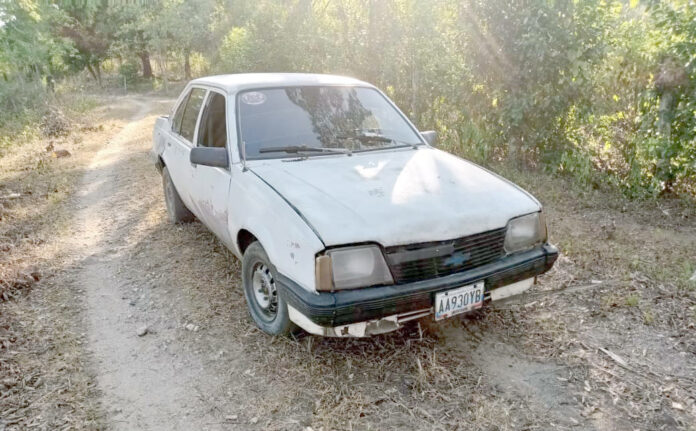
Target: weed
[[648, 317], [632, 300]]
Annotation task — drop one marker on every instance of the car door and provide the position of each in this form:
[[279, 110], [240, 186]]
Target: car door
[[210, 185], [177, 153]]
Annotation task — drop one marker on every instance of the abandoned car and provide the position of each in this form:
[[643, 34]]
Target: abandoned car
[[348, 221]]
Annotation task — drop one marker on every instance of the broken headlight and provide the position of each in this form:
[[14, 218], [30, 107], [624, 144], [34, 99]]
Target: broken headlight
[[351, 267], [525, 232]]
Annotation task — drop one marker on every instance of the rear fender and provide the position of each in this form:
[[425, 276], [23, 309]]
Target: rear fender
[[159, 139]]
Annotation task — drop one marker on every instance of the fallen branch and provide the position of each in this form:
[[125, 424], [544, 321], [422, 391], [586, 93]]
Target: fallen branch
[[618, 359]]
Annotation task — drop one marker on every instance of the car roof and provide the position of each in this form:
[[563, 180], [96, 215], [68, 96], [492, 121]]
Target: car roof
[[233, 83]]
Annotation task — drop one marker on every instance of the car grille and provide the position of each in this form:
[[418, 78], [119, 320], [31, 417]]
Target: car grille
[[416, 262]]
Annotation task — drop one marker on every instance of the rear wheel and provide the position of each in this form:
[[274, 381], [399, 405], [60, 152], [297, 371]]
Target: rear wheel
[[176, 210], [266, 304]]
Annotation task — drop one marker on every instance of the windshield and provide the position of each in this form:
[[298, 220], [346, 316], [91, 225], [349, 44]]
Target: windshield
[[277, 122]]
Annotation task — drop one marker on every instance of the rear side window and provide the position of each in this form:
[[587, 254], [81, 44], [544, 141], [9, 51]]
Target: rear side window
[[176, 121], [213, 129], [193, 107]]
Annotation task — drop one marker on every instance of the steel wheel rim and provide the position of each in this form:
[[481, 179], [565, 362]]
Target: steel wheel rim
[[264, 291]]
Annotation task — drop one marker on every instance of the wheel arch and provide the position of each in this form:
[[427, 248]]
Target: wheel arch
[[160, 165], [244, 239]]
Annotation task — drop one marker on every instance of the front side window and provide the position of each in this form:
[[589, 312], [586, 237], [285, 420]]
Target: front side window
[[271, 121], [193, 107], [213, 129]]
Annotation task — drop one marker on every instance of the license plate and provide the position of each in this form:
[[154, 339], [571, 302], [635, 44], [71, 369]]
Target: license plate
[[459, 300]]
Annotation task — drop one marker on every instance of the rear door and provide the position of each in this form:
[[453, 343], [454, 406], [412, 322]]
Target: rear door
[[177, 153], [210, 185]]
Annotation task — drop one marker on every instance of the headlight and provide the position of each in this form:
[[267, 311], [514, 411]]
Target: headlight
[[525, 232], [352, 267]]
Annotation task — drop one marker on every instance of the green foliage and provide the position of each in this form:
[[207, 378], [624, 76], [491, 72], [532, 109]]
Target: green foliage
[[129, 71], [236, 51], [28, 51], [21, 109], [670, 109], [600, 90]]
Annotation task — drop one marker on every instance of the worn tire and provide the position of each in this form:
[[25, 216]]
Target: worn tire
[[176, 210], [255, 262]]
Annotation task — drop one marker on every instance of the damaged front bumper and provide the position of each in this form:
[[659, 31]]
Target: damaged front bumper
[[376, 310], [358, 329]]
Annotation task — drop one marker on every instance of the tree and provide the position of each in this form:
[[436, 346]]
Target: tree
[[27, 48], [86, 24], [129, 22]]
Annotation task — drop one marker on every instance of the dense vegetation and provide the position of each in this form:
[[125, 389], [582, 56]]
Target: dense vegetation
[[604, 91]]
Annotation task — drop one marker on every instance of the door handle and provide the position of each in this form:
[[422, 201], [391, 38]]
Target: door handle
[[169, 143]]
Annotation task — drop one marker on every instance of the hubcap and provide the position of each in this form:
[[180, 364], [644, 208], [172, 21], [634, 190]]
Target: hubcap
[[264, 288]]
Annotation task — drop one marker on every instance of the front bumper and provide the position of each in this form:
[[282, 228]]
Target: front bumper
[[330, 309]]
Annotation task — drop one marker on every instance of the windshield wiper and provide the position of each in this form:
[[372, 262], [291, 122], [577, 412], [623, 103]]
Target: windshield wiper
[[365, 138], [294, 149]]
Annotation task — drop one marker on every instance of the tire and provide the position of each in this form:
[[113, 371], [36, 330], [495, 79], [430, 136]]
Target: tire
[[258, 281], [176, 210]]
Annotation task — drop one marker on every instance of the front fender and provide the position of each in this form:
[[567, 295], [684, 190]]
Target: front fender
[[288, 240]]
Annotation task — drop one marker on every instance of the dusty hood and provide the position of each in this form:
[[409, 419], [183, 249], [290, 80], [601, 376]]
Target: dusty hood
[[395, 197]]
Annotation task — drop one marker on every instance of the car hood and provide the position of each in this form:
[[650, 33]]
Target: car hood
[[394, 197]]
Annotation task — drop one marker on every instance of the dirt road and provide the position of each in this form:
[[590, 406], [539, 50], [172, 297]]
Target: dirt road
[[170, 345], [143, 387]]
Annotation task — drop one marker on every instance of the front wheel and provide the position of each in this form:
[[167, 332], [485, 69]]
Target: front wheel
[[267, 306]]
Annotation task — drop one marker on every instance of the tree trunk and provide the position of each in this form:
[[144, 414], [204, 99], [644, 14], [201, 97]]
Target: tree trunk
[[162, 61], [187, 64], [91, 72], [666, 113], [147, 67], [97, 68]]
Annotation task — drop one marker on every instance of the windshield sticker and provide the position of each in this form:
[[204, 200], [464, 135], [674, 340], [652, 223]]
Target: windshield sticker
[[253, 98]]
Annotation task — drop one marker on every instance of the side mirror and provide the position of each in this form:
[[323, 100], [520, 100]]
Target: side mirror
[[210, 156], [430, 137]]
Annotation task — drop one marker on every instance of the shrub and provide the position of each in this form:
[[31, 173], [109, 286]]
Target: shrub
[[129, 71]]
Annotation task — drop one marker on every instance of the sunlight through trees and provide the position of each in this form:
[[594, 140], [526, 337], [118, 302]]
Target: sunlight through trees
[[602, 91]]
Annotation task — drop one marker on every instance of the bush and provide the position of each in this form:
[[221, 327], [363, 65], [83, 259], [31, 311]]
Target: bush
[[236, 51], [21, 105], [129, 71]]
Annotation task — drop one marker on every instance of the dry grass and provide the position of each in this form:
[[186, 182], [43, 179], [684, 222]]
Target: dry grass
[[44, 374], [643, 312]]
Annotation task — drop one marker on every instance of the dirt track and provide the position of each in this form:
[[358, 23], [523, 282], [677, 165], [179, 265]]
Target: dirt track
[[143, 388], [537, 363]]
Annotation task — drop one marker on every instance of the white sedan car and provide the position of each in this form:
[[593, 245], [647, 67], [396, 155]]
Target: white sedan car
[[348, 221]]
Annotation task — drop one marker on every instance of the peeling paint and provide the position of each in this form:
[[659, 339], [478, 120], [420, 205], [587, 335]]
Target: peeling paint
[[377, 192]]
